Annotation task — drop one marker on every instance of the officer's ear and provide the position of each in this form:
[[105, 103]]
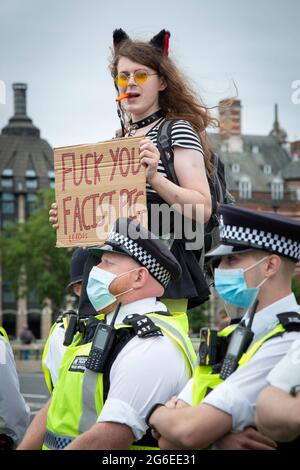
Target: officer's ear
[[77, 288], [141, 278], [273, 265]]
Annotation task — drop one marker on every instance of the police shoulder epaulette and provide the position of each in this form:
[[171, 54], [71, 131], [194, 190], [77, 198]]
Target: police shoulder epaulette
[[143, 326], [290, 321]]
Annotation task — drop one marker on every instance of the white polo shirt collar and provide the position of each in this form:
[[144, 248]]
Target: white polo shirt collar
[[141, 307]]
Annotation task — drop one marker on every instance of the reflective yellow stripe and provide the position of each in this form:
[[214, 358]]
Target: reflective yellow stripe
[[89, 412], [4, 334], [179, 336], [252, 350]]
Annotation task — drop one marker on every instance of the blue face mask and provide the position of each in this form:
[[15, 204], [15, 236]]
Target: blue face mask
[[98, 288], [232, 287]]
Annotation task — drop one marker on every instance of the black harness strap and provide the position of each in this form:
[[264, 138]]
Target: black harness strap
[[123, 336]]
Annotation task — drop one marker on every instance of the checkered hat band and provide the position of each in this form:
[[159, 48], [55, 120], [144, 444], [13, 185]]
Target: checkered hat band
[[56, 441], [261, 239], [140, 254]]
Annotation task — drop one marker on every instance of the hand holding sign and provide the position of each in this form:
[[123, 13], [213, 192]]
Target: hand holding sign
[[94, 185], [149, 157]]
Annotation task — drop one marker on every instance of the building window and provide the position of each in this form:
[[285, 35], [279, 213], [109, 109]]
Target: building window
[[8, 204], [31, 179], [295, 196], [8, 295], [245, 188], [31, 203], [255, 149], [267, 169], [277, 189], [32, 299], [51, 177], [7, 180], [235, 168]]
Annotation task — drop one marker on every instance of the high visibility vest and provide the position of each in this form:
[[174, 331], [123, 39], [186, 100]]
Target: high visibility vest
[[4, 334], [78, 397], [47, 375], [205, 380]]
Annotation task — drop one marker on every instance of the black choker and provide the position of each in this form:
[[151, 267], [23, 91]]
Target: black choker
[[147, 120]]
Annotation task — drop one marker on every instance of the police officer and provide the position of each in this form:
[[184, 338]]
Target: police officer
[[54, 347], [258, 253], [14, 413], [149, 358], [282, 422]]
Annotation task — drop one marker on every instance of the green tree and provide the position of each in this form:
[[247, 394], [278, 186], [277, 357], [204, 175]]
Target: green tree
[[30, 259], [296, 289], [198, 317]]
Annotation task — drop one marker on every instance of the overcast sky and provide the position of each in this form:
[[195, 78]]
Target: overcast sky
[[60, 48]]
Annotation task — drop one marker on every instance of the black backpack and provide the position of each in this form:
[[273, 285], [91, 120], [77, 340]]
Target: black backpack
[[217, 184]]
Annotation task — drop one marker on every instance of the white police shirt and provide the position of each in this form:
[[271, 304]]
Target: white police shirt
[[14, 412], [56, 351], [286, 374], [147, 371], [237, 395]]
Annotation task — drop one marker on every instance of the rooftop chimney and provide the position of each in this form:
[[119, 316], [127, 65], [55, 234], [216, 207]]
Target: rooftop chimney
[[20, 98], [20, 123], [277, 131], [295, 150], [230, 118]]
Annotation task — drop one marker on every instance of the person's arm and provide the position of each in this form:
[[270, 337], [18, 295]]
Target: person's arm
[[191, 427], [191, 174], [163, 443], [229, 407], [278, 414], [104, 436], [14, 413], [34, 437], [249, 439]]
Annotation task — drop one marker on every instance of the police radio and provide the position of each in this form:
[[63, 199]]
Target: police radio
[[208, 347], [240, 341], [72, 328], [103, 342]]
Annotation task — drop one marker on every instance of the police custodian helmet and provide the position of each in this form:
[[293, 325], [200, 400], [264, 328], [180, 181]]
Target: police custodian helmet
[[247, 230], [130, 238], [78, 260]]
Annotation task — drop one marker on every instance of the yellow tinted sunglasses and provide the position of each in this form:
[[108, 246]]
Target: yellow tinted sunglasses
[[139, 76]]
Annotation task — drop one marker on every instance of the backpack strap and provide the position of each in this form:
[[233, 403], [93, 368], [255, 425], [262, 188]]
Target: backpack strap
[[164, 145]]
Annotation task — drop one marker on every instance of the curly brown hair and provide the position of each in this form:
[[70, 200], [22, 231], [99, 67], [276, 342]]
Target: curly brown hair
[[178, 100]]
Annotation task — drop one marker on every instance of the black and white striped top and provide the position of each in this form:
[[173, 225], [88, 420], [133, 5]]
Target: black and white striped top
[[183, 135]]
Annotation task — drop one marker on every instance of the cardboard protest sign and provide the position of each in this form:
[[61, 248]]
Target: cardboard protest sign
[[94, 185]]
